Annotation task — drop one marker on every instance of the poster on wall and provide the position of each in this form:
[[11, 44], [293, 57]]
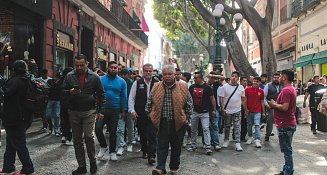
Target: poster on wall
[[4, 41]]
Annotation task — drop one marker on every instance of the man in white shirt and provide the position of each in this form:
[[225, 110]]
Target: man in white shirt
[[231, 108]]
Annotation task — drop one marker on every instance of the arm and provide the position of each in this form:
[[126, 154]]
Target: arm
[[213, 103], [279, 107], [100, 95], [189, 105], [123, 96], [216, 76], [265, 90], [131, 98], [305, 98], [263, 108]]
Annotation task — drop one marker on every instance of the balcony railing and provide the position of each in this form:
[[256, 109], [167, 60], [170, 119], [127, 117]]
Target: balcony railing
[[122, 16], [308, 4], [297, 7]]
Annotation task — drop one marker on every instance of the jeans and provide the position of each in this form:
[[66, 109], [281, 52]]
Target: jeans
[[236, 118], [16, 143], [121, 131], [314, 115], [244, 125], [82, 123], [167, 134], [148, 137], [254, 118], [111, 117], [53, 111], [285, 136], [214, 129], [270, 122], [204, 117]]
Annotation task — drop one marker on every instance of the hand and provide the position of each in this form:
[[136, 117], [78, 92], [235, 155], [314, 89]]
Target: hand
[[123, 115], [134, 115], [100, 116], [246, 113], [263, 115], [304, 105], [174, 60], [267, 107], [213, 113], [271, 103], [74, 91], [32, 61], [223, 113]]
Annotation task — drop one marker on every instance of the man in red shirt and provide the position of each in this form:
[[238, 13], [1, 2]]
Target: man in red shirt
[[254, 109], [284, 116]]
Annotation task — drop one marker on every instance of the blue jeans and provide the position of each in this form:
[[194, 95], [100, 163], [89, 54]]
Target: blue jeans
[[285, 136], [254, 118], [214, 129], [122, 123], [167, 134], [53, 111], [111, 117]]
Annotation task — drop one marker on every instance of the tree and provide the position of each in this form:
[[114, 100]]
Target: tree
[[261, 26]]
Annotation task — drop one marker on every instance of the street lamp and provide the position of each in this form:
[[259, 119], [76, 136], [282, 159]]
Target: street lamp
[[221, 32], [201, 67]]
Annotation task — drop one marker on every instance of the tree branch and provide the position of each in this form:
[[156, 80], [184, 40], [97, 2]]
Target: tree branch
[[270, 12]]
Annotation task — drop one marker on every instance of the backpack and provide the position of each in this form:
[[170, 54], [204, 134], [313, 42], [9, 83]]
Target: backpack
[[36, 95]]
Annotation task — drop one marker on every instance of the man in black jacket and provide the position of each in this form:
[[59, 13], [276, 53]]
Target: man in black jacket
[[16, 121], [84, 90]]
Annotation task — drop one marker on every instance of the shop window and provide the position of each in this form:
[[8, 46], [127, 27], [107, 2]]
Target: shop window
[[112, 57], [61, 60], [102, 65]]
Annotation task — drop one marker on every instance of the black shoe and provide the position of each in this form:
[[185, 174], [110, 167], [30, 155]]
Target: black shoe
[[314, 132], [144, 155], [266, 139], [272, 134], [93, 167], [79, 170], [151, 160]]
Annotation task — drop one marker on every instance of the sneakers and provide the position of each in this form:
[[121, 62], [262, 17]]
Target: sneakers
[[225, 144], [57, 134], [257, 143], [113, 157], [79, 170], [249, 141], [101, 152], [63, 139], [44, 130], [209, 151], [267, 139], [191, 149], [151, 160], [130, 148], [69, 143], [238, 147], [217, 148], [120, 151], [106, 156], [173, 171]]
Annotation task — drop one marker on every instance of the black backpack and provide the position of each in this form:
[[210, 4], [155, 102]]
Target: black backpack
[[36, 95]]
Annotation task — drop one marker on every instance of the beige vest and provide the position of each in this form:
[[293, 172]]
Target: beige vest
[[179, 95]]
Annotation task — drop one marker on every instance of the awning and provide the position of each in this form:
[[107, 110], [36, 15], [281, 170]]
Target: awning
[[304, 61], [144, 25], [320, 58], [135, 17]]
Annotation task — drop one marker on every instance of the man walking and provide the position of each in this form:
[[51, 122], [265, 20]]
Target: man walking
[[271, 91], [116, 102], [139, 93], [284, 115], [169, 106], [254, 109], [232, 96], [84, 89], [313, 108], [204, 107]]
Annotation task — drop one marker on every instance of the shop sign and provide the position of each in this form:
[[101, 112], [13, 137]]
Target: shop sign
[[64, 41]]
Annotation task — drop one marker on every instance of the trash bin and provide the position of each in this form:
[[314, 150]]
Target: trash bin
[[321, 118]]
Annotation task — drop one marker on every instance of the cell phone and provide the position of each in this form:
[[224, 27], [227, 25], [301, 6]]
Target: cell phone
[[76, 86]]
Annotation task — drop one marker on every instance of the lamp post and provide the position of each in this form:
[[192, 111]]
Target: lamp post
[[222, 33], [200, 67]]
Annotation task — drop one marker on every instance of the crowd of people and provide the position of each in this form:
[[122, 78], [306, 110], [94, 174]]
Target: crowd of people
[[164, 110]]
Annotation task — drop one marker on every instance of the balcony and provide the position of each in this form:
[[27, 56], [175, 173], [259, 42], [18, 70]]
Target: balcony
[[120, 19], [297, 8], [308, 4]]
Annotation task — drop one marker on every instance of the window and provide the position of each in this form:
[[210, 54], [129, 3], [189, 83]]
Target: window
[[61, 61]]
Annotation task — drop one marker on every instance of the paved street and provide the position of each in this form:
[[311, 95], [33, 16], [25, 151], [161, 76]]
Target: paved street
[[310, 156]]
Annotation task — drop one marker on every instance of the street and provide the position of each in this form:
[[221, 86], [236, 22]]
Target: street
[[310, 157]]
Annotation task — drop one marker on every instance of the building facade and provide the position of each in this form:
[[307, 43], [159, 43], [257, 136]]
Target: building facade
[[53, 31], [283, 36], [311, 45]]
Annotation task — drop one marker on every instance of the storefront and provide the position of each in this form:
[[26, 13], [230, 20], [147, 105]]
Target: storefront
[[22, 31], [102, 56], [312, 45]]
